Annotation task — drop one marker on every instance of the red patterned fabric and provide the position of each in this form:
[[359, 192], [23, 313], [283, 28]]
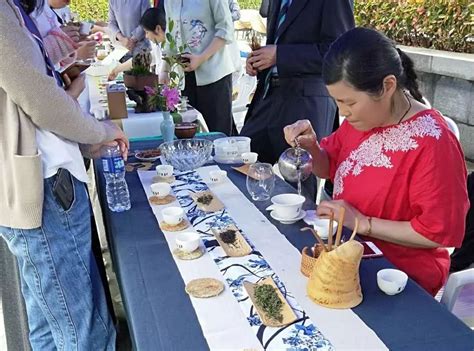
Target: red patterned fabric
[[414, 171]]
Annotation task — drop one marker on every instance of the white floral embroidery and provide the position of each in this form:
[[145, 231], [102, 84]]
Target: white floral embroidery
[[373, 151]]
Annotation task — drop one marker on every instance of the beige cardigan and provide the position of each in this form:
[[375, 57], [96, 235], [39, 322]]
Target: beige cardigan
[[30, 99]]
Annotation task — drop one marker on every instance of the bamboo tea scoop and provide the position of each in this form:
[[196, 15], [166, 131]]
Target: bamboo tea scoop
[[340, 222]]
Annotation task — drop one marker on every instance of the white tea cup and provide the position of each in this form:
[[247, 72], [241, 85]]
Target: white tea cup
[[321, 225], [391, 281], [287, 206], [249, 157], [160, 189], [173, 215], [217, 176], [188, 241], [164, 171]]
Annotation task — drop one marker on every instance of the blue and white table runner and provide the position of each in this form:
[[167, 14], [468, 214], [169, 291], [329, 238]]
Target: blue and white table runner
[[229, 321]]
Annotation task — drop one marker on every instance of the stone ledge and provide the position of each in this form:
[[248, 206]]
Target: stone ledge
[[451, 64], [467, 140]]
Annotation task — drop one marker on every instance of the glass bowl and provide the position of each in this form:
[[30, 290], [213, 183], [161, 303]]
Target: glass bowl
[[187, 154]]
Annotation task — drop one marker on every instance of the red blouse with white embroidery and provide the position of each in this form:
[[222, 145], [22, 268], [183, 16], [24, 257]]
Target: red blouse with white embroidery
[[413, 171]]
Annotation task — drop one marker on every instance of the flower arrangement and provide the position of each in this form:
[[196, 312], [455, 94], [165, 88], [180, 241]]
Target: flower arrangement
[[163, 97]]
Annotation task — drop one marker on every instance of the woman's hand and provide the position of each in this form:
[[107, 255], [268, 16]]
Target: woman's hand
[[94, 151], [72, 31], [119, 137], [351, 213], [194, 62], [112, 74], [303, 130], [126, 42], [86, 50], [76, 87]]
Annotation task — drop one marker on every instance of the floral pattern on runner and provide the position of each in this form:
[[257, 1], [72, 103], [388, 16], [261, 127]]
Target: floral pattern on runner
[[301, 334]]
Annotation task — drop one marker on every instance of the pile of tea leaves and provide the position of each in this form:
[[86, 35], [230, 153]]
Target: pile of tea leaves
[[268, 300], [229, 236], [205, 199]]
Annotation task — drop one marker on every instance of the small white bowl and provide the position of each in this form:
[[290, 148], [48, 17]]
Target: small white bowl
[[173, 215], [160, 189], [249, 157], [217, 176], [188, 241], [391, 281]]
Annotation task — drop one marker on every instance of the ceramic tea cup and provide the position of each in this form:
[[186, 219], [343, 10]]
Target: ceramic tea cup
[[164, 171], [217, 176], [287, 206], [160, 189], [173, 215], [321, 225], [188, 241], [391, 281], [249, 157]]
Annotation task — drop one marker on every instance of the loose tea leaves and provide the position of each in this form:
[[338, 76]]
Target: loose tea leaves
[[268, 300], [229, 236], [205, 199]]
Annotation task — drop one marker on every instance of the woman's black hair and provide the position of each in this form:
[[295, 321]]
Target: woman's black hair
[[30, 5], [153, 17], [364, 57]]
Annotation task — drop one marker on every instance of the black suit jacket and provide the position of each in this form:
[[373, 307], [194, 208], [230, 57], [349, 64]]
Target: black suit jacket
[[304, 38]]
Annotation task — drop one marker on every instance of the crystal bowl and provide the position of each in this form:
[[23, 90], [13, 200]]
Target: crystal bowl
[[187, 154]]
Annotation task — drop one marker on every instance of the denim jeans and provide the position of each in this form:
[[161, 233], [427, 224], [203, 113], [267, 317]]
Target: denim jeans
[[63, 292]]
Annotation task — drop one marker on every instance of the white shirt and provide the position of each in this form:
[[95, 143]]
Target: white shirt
[[156, 56], [45, 19], [57, 152]]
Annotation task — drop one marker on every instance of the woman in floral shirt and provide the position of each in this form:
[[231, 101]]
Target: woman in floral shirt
[[395, 164], [205, 27]]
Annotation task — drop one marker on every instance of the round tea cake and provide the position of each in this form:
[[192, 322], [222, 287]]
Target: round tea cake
[[204, 287]]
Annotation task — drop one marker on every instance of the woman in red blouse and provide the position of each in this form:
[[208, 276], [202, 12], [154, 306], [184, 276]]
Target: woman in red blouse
[[394, 163]]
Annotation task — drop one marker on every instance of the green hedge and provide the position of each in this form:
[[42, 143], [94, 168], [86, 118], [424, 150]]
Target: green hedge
[[91, 9], [436, 24]]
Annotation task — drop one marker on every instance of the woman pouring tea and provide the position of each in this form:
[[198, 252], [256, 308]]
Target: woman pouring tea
[[395, 164]]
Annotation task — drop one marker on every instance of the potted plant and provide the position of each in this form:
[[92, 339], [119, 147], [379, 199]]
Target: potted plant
[[140, 75], [172, 52]]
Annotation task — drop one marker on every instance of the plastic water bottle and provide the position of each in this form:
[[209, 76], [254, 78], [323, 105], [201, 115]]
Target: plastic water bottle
[[118, 197]]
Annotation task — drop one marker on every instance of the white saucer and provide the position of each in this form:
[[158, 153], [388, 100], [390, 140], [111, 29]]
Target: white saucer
[[286, 220]]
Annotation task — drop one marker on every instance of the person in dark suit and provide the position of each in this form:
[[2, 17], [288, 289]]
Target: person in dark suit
[[288, 68]]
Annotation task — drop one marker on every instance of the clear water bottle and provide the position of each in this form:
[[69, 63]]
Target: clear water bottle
[[113, 165]]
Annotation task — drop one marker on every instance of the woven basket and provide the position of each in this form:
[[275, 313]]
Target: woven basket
[[309, 258]]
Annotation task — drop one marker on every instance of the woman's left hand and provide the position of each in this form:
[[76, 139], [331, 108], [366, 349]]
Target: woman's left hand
[[351, 213], [194, 62], [96, 149]]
